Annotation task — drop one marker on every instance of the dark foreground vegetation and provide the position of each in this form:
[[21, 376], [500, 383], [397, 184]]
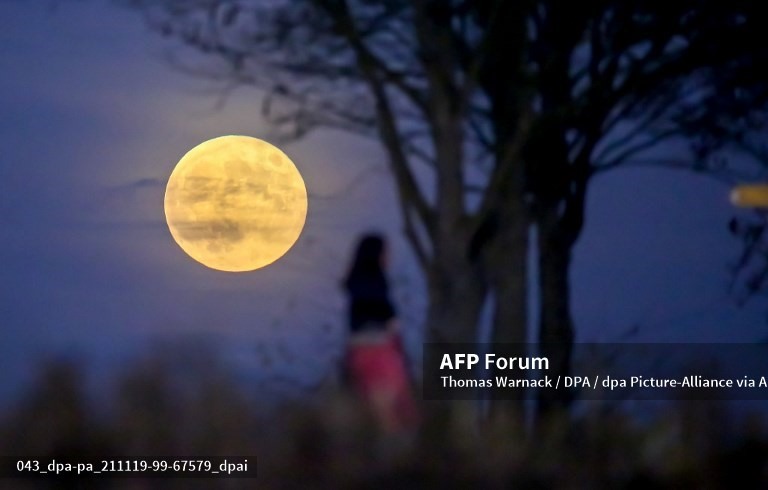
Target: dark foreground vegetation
[[326, 440]]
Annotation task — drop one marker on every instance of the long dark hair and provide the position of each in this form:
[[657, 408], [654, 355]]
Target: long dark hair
[[366, 269]]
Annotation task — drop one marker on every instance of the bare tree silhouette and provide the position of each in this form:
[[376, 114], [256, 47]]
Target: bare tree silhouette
[[495, 117]]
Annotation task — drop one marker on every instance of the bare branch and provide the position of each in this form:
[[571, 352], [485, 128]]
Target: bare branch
[[651, 140]]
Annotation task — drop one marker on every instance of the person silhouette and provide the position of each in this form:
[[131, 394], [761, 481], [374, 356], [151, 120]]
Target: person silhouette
[[375, 361]]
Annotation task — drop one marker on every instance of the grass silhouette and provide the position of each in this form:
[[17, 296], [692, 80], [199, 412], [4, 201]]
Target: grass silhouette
[[328, 440]]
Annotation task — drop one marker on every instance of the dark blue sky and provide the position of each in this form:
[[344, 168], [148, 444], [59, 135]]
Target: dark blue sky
[[92, 123]]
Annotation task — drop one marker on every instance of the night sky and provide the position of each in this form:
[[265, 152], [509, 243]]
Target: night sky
[[92, 121]]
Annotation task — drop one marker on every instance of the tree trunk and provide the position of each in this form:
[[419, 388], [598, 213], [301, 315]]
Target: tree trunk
[[556, 327], [508, 276], [507, 273], [456, 295]]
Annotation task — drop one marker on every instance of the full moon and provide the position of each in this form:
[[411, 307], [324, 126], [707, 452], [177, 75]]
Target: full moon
[[235, 203]]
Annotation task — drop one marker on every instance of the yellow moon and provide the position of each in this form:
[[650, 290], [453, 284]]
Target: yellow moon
[[235, 203]]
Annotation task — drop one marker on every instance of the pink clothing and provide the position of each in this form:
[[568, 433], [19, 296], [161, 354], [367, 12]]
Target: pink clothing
[[378, 374]]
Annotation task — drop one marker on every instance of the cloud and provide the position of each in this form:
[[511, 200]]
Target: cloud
[[219, 230], [146, 182], [136, 185]]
